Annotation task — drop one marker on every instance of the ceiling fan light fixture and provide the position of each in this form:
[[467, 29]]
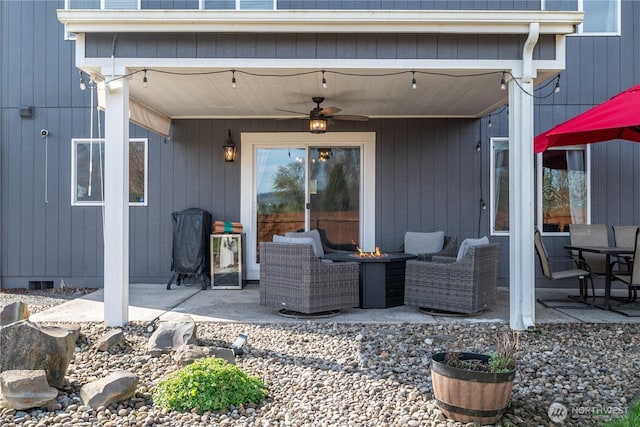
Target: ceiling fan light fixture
[[317, 125]]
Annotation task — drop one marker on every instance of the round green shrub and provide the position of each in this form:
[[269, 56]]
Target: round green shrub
[[208, 384]]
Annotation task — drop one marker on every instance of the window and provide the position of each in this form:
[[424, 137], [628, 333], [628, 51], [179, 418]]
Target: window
[[239, 4], [88, 172], [601, 17], [499, 183], [102, 4], [563, 194]]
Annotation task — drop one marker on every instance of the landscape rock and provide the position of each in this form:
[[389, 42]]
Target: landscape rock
[[110, 339], [172, 335], [25, 345], [14, 312], [189, 353], [21, 389], [115, 387]]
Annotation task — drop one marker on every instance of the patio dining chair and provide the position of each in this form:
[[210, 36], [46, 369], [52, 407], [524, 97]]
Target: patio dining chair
[[632, 277], [582, 274], [624, 236], [590, 235]]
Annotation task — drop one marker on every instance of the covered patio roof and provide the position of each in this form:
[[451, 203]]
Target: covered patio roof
[[211, 95], [188, 87]]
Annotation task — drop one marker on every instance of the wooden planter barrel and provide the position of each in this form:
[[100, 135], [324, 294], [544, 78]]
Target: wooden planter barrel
[[470, 396]]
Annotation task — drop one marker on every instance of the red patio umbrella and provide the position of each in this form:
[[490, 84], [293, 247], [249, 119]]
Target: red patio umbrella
[[617, 118]]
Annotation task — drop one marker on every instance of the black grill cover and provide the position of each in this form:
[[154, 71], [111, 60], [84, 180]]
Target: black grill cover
[[191, 230]]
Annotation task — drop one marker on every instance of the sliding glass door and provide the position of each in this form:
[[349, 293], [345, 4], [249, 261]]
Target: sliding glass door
[[291, 182]]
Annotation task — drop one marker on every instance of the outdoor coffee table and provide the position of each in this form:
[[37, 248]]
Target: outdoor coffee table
[[381, 278]]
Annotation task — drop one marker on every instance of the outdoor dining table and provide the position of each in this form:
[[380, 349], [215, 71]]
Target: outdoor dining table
[[608, 251]]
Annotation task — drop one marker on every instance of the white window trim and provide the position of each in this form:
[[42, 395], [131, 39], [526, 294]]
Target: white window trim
[[538, 190], [251, 141], [74, 184], [580, 28], [72, 36], [587, 152], [102, 4], [238, 4], [492, 201]]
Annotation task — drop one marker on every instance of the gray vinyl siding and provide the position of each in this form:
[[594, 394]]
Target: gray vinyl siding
[[362, 46], [429, 176]]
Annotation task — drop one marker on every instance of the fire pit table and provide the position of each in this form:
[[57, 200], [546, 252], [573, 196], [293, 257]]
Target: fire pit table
[[381, 277]]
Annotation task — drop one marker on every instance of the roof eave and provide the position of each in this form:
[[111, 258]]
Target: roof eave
[[319, 21]]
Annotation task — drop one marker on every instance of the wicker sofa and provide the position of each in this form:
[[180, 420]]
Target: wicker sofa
[[444, 284], [294, 279]]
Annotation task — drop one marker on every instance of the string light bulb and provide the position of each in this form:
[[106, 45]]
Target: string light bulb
[[479, 146], [83, 84], [483, 205], [556, 89], [144, 79], [233, 79], [503, 83], [489, 124], [324, 80], [414, 84]]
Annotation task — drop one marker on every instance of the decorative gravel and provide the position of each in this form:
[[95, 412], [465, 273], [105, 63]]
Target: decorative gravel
[[332, 374]]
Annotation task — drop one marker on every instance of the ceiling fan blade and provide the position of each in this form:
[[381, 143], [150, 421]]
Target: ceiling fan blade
[[292, 112], [351, 117], [330, 111]]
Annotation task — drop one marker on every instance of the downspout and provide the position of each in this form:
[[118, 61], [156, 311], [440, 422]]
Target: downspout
[[527, 52], [521, 189], [528, 73]]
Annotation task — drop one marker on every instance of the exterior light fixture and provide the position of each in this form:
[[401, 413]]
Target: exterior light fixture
[[229, 149], [324, 154], [236, 346], [317, 124]]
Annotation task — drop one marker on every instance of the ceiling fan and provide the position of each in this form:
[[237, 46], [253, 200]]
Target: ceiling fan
[[318, 117]]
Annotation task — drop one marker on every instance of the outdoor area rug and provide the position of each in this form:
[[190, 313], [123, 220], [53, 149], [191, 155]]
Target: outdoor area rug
[[568, 302], [630, 309]]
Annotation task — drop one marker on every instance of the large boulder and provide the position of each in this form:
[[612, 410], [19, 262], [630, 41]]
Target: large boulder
[[172, 335], [25, 389], [189, 353], [27, 346], [115, 387], [14, 312]]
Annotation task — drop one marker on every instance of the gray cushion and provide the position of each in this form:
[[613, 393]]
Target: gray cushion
[[294, 240], [313, 234], [469, 243], [423, 243]]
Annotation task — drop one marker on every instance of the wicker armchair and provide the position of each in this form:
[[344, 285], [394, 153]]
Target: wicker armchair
[[444, 284], [293, 279]]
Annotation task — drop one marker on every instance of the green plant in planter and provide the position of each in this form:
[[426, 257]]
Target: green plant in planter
[[504, 359], [208, 384], [501, 360]]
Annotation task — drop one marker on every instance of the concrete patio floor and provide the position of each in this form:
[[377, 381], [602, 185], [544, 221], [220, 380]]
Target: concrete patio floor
[[150, 301]]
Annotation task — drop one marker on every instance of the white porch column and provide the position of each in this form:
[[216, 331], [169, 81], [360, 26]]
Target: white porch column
[[521, 191], [116, 201]]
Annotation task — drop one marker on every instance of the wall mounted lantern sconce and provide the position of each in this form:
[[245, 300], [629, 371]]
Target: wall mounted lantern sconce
[[317, 124], [229, 149]]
